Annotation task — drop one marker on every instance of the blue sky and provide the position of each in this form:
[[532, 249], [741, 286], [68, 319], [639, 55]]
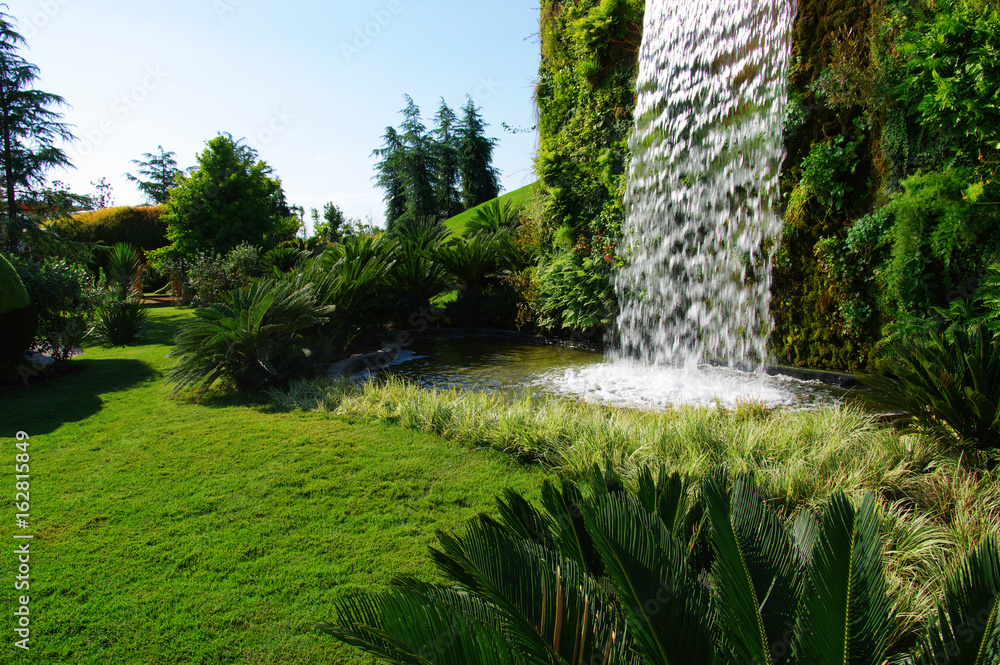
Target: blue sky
[[310, 85]]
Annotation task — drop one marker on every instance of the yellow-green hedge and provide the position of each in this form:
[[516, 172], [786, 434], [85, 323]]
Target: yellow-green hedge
[[141, 226]]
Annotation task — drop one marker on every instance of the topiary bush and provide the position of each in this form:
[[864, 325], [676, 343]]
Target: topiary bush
[[141, 226], [18, 317]]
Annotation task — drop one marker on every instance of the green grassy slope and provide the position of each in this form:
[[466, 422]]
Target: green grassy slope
[[520, 197], [171, 532]]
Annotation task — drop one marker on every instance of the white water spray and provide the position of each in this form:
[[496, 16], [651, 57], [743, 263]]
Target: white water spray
[[706, 156]]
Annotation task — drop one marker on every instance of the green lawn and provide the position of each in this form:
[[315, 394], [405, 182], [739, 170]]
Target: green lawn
[[171, 532], [521, 197]]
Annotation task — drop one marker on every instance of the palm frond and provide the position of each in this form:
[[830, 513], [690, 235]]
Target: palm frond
[[755, 573], [965, 629], [402, 627], [844, 614], [668, 611]]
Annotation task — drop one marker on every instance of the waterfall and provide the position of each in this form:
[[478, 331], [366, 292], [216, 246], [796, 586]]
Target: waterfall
[[703, 181]]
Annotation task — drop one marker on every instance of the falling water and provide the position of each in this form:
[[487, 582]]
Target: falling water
[[706, 155]]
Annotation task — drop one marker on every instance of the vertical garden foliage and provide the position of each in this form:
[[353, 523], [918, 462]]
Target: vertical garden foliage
[[891, 200], [586, 99], [822, 303]]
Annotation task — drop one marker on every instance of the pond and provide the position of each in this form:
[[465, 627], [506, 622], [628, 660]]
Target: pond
[[515, 365]]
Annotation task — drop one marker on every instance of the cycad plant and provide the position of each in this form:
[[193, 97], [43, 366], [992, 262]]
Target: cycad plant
[[666, 574], [250, 340], [947, 382], [121, 318], [351, 277], [494, 216]]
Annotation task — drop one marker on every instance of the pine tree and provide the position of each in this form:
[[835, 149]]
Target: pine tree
[[157, 173], [480, 181], [420, 163], [390, 175], [29, 127], [447, 180]]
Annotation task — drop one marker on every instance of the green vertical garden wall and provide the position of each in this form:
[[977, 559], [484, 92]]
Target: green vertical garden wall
[[892, 134]]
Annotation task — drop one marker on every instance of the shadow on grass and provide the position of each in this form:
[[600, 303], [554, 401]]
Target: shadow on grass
[[47, 405]]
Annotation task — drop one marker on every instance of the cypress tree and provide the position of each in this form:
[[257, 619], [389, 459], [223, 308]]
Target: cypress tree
[[419, 164], [390, 175], [480, 181], [447, 182]]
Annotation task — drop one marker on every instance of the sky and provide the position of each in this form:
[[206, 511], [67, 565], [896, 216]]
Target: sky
[[310, 85]]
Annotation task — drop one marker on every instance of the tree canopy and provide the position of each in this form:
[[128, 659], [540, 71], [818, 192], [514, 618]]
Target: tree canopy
[[29, 127], [230, 198], [156, 174]]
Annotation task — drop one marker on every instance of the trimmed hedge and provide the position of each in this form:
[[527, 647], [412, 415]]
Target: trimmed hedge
[[143, 227], [13, 295], [18, 317]]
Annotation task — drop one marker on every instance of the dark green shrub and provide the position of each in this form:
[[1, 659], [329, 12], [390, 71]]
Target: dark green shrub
[[948, 383], [351, 278], [12, 292], [251, 339], [17, 332], [65, 295], [281, 259], [666, 575], [119, 322], [211, 278], [574, 293], [18, 317]]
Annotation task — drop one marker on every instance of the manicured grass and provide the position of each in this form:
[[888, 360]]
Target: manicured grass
[[521, 197], [173, 532]]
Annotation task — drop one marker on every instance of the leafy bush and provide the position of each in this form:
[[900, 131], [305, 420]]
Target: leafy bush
[[125, 266], [120, 319], [65, 295], [949, 76], [494, 216], [948, 384], [351, 278], [665, 574], [417, 275], [250, 339], [281, 259], [212, 277], [143, 227], [574, 293], [826, 170]]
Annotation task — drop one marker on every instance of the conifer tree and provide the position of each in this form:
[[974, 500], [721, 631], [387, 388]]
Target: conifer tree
[[420, 162], [447, 181], [29, 127], [390, 175], [480, 181], [157, 173]]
